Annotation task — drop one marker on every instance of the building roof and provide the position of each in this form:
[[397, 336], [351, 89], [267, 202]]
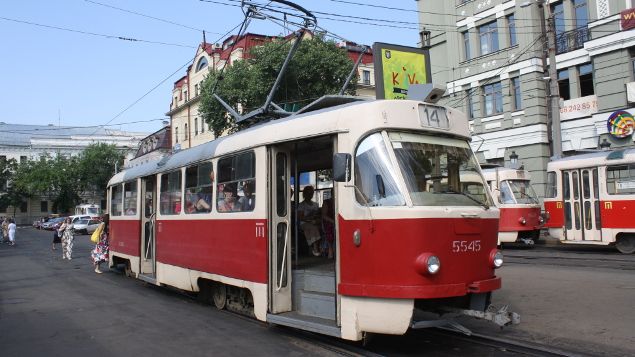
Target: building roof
[[25, 135]]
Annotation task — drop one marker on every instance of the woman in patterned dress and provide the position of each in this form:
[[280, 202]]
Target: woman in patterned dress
[[67, 232], [100, 253]]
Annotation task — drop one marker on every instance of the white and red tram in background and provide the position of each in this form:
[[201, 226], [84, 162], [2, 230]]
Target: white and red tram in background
[[407, 238], [590, 199], [520, 216]]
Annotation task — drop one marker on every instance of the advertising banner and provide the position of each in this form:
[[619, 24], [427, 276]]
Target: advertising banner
[[397, 67]]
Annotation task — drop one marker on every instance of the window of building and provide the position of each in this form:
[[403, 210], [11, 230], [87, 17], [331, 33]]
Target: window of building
[[557, 11], [176, 101], [115, 201], [23, 159], [366, 77], [130, 198], [581, 13], [236, 183], [466, 45], [516, 94], [195, 126], [196, 90], [171, 193], [202, 125], [202, 63], [44, 206], [493, 98], [631, 52], [471, 105], [620, 179], [489, 38], [185, 96], [511, 25], [24, 206], [586, 79], [563, 84], [185, 132], [198, 188]]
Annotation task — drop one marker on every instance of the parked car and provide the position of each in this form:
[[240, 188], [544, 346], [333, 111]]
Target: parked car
[[53, 223], [86, 226], [76, 218]]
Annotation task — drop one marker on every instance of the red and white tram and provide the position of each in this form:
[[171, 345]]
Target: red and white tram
[[591, 199], [406, 238], [520, 218]]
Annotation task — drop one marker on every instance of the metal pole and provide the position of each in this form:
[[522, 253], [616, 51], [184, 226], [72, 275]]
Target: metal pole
[[554, 92]]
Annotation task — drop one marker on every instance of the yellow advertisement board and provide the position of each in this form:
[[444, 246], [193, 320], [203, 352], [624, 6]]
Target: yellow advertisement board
[[397, 67]]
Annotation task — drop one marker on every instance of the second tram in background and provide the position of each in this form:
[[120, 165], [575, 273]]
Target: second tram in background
[[520, 216], [591, 199]]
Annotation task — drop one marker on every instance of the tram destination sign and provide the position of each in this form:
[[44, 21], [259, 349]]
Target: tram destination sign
[[398, 67]]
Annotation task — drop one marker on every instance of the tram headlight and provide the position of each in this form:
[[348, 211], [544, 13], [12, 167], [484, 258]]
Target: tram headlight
[[522, 220], [427, 264], [496, 258]]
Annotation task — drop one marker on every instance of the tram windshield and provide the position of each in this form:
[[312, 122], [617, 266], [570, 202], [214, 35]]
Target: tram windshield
[[517, 191]]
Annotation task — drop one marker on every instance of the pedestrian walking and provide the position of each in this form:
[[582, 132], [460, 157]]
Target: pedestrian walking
[[5, 230], [67, 232], [100, 253], [56, 239], [11, 229]]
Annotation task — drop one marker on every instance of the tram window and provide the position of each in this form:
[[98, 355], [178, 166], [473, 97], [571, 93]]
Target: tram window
[[586, 185], [198, 188], [236, 189], [130, 198], [115, 201], [552, 189], [565, 186], [588, 220], [567, 215], [596, 186], [576, 208], [576, 185], [171, 193], [620, 179], [281, 184], [373, 171]]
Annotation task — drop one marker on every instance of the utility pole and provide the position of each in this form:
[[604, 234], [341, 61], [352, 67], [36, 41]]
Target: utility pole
[[554, 91]]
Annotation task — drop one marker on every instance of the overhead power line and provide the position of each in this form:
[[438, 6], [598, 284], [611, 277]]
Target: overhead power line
[[130, 39]]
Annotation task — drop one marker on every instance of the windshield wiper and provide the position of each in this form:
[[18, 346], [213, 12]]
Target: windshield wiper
[[485, 205]]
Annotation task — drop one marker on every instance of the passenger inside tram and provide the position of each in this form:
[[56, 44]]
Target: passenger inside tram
[[309, 217], [248, 201]]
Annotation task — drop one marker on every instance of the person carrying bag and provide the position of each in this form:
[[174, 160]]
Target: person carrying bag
[[97, 233]]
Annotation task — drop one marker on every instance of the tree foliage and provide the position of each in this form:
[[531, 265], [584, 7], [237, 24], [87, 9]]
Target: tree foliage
[[65, 179], [10, 195], [318, 68]]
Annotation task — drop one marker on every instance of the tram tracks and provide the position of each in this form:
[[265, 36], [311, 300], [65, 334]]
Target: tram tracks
[[506, 345]]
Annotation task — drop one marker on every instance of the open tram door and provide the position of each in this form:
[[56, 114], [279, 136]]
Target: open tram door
[[147, 250], [581, 205], [279, 231]]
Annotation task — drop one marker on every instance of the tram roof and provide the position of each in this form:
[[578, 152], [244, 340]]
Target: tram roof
[[315, 120], [597, 158]]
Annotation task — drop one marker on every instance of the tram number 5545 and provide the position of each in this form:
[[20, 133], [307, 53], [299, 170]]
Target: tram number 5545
[[461, 246]]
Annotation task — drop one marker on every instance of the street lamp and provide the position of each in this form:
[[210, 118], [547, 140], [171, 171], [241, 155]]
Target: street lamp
[[605, 144], [513, 158], [554, 129]]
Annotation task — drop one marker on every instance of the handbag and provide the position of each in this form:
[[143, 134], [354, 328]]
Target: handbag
[[97, 233]]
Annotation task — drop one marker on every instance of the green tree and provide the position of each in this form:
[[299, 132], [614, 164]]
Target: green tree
[[97, 165], [10, 195], [318, 68]]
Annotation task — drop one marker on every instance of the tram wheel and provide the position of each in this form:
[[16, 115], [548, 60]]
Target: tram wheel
[[219, 295], [626, 245]]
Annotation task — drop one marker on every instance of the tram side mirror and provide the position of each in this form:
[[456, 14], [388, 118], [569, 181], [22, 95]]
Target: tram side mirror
[[381, 188], [341, 167]]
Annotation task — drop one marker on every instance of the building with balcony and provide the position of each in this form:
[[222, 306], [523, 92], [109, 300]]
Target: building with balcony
[[493, 57], [188, 128]]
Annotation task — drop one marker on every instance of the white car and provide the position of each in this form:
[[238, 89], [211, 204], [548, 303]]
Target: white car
[[75, 219], [86, 226]]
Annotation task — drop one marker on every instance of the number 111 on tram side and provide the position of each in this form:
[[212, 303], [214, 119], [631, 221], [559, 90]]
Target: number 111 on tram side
[[405, 238]]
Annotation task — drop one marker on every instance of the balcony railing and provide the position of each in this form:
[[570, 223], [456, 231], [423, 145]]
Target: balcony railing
[[572, 40]]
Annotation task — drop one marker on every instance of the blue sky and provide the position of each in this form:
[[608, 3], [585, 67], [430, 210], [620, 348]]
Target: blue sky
[[83, 78]]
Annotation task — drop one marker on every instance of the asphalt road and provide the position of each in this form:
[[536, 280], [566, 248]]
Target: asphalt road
[[48, 306]]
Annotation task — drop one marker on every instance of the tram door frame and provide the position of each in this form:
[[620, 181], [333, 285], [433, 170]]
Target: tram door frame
[[280, 244], [147, 249], [581, 204]]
